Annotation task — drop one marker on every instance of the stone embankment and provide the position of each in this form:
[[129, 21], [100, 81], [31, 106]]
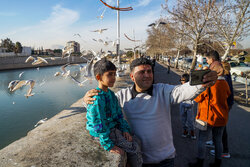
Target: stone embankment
[[17, 62], [62, 141]]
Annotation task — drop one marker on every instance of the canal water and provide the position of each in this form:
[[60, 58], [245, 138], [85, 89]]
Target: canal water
[[19, 114]]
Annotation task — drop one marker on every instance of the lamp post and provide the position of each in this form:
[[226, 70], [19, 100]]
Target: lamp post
[[118, 34]]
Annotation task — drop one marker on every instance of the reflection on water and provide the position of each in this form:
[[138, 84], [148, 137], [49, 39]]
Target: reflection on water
[[18, 114]]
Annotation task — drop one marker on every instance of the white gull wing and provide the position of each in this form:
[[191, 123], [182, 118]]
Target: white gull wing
[[20, 75], [32, 84], [42, 60], [80, 83], [19, 85], [30, 58], [12, 84]]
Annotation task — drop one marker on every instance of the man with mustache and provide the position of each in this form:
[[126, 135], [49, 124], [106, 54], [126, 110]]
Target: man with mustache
[[147, 108]]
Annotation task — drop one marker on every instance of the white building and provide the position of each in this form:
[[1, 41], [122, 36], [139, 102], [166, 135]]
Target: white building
[[26, 51], [71, 47], [3, 50]]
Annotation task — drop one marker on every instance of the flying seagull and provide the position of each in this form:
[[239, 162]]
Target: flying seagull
[[156, 25], [77, 35], [79, 83], [100, 30], [20, 75], [12, 84], [102, 15], [24, 83], [36, 61]]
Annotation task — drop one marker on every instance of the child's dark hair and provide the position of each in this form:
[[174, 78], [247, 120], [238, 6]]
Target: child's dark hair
[[213, 54], [185, 77], [103, 66], [140, 61]]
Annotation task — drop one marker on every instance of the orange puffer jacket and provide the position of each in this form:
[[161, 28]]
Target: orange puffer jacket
[[218, 108]]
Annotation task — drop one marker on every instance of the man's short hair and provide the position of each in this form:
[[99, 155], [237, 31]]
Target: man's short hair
[[214, 55], [140, 61], [103, 66]]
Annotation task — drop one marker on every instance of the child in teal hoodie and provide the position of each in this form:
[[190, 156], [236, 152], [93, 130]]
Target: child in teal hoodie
[[105, 120]]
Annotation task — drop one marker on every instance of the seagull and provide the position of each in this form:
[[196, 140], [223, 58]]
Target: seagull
[[25, 82], [37, 61], [157, 24], [65, 73], [102, 15], [12, 84], [57, 74], [77, 35], [87, 69], [40, 122], [20, 75], [80, 83], [100, 30]]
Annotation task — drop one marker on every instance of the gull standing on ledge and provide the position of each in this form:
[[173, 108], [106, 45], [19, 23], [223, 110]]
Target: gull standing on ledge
[[40, 122]]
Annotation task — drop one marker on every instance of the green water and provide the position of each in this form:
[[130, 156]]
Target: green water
[[18, 115]]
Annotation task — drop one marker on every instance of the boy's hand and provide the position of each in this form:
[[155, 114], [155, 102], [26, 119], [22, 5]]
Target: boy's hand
[[127, 136], [117, 150], [88, 96]]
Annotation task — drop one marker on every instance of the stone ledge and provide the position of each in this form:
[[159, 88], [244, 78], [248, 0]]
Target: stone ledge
[[61, 141]]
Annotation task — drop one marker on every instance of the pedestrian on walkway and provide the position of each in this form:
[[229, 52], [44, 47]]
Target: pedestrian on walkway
[[187, 113], [147, 109], [230, 102], [213, 112], [168, 64]]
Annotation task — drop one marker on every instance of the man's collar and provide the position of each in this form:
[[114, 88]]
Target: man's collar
[[135, 93]]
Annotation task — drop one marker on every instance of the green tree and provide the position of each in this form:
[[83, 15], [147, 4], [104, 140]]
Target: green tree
[[7, 43], [130, 54], [18, 47]]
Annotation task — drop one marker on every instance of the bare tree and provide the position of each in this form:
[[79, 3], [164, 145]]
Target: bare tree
[[231, 20], [159, 39], [194, 15]]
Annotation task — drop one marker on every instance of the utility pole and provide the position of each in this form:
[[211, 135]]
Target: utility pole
[[118, 34]]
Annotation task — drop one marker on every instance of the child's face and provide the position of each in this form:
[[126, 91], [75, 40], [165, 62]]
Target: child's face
[[209, 60], [108, 78], [182, 80]]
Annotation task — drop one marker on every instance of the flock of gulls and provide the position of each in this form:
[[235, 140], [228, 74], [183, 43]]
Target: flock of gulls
[[85, 72]]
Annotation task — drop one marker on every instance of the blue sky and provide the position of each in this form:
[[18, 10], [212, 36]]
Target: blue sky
[[51, 23]]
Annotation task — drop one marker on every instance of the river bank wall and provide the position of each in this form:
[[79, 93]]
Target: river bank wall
[[62, 141], [18, 62]]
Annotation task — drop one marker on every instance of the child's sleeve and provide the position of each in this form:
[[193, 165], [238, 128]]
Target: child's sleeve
[[97, 123], [123, 123]]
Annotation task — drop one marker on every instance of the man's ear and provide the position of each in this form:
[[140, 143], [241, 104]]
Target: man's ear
[[132, 76]]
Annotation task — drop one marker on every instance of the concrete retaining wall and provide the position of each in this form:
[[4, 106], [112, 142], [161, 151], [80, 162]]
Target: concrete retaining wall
[[16, 62]]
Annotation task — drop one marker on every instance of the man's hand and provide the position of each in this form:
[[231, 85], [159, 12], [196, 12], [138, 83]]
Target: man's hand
[[127, 136], [210, 78], [117, 150], [88, 96]]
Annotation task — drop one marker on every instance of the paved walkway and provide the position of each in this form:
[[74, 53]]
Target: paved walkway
[[238, 129]]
